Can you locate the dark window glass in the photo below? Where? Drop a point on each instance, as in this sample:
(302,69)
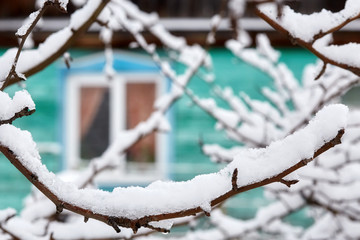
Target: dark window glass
(94,121)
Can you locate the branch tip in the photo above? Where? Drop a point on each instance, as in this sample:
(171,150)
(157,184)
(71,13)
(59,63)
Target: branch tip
(234,179)
(322,71)
(335,141)
(135,227)
(112,222)
(59,208)
(288,183)
(279,6)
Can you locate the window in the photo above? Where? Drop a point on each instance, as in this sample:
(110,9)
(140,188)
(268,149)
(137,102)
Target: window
(97,109)
(94,121)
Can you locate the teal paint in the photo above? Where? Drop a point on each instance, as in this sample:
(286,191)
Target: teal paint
(190,122)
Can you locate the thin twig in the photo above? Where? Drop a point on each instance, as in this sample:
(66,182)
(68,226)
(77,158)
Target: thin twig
(12,72)
(62,49)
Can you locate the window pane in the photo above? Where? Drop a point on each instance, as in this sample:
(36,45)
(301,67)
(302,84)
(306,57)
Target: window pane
(139,105)
(94,121)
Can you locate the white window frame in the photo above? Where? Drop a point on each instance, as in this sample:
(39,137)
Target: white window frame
(117,107)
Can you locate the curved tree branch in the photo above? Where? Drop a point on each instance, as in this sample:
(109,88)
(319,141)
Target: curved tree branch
(136,223)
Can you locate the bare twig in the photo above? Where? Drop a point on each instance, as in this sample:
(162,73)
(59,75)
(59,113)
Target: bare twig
(321,72)
(22,113)
(288,183)
(12,72)
(62,49)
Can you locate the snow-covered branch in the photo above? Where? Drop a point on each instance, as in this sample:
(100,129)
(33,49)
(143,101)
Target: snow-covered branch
(315,30)
(169,199)
(285,128)
(21,105)
(265,121)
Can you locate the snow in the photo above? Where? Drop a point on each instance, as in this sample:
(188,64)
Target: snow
(276,99)
(225,118)
(167,39)
(324,228)
(214,23)
(10,107)
(235,103)
(338,192)
(38,209)
(79,17)
(166,197)
(76,228)
(263,108)
(306,27)
(63,4)
(25,27)
(78,3)
(260,121)
(165,224)
(283,152)
(134,12)
(220,154)
(233,228)
(31,58)
(106,35)
(319,173)
(6,214)
(190,55)
(150,22)
(237,7)
(341,53)
(264,46)
(351,228)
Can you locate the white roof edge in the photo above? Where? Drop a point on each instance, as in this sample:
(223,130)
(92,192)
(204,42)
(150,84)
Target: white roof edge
(172,24)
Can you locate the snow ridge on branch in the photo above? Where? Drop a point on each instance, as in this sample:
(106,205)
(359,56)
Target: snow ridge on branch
(128,207)
(21,105)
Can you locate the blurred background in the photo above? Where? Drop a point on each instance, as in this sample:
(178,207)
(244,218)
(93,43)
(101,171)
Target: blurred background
(175,156)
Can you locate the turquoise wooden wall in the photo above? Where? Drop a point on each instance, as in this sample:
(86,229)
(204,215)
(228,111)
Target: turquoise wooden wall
(190,123)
